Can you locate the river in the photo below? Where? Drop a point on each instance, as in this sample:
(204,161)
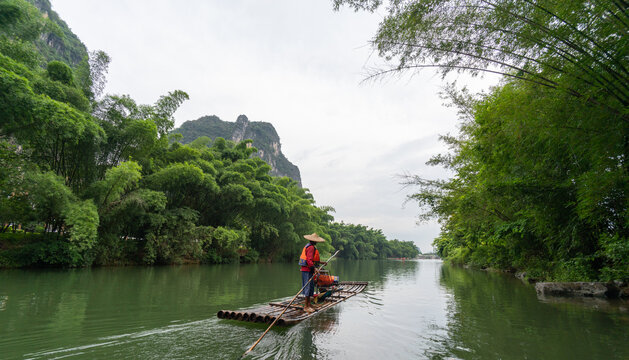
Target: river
(410,310)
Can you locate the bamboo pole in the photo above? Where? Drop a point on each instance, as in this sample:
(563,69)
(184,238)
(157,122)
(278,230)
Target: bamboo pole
(289,304)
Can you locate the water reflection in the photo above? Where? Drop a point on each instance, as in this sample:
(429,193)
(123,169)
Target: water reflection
(377,272)
(494,316)
(412,309)
(597,304)
(304,341)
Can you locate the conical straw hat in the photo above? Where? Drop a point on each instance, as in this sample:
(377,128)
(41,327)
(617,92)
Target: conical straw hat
(314,237)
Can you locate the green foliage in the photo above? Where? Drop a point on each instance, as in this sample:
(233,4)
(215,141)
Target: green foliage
(540,172)
(118,181)
(21,20)
(162,112)
(13,163)
(90,74)
(208,126)
(81,220)
(62,92)
(459,255)
(49,197)
(263,136)
(56,41)
(574,47)
(201,142)
(98,65)
(20,51)
(226,242)
(174,237)
(61,138)
(576,269)
(614,252)
(360,242)
(96,180)
(58,71)
(27,250)
(530,190)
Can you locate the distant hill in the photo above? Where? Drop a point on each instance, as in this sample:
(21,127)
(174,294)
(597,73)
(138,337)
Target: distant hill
(263,134)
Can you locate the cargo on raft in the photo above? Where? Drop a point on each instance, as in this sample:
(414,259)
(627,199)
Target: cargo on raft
(330,294)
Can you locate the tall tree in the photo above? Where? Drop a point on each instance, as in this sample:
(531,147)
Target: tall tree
(579,47)
(540,166)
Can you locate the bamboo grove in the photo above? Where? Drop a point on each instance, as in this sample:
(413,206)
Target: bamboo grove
(93,179)
(540,173)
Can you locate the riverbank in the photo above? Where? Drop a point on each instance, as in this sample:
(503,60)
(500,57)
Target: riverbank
(22,250)
(609,290)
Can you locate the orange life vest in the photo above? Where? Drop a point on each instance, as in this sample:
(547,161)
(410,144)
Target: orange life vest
(302,259)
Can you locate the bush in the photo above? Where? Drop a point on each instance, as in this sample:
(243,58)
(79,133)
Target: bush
(459,255)
(110,249)
(26,250)
(212,257)
(251,256)
(615,254)
(480,258)
(61,72)
(576,269)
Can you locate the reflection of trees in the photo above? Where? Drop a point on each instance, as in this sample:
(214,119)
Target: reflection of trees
(374,271)
(49,299)
(75,307)
(57,309)
(493,316)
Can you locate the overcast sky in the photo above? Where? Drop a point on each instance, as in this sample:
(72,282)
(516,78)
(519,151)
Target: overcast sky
(297,65)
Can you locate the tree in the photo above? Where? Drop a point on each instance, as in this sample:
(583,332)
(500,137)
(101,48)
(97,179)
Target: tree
(540,171)
(118,181)
(99,180)
(360,242)
(162,112)
(98,66)
(134,131)
(576,47)
(13,165)
(81,221)
(126,211)
(529,190)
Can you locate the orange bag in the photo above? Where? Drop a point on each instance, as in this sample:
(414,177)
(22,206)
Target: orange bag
(327,280)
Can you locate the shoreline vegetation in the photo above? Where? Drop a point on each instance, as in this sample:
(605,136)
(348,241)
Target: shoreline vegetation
(558,290)
(91,179)
(540,165)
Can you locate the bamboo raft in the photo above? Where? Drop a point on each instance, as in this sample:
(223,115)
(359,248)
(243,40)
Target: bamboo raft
(295,313)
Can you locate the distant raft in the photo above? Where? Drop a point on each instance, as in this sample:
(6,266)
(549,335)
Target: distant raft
(295,313)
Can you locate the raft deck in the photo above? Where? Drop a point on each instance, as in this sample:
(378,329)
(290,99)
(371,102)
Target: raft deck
(295,313)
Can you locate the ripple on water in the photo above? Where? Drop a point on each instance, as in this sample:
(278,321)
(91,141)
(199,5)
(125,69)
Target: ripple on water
(66,352)
(172,341)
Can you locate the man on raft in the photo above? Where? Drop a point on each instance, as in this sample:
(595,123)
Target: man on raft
(308,260)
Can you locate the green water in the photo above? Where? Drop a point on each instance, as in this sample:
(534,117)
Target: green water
(410,310)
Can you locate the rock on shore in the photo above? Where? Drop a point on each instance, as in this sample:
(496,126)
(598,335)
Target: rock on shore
(582,289)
